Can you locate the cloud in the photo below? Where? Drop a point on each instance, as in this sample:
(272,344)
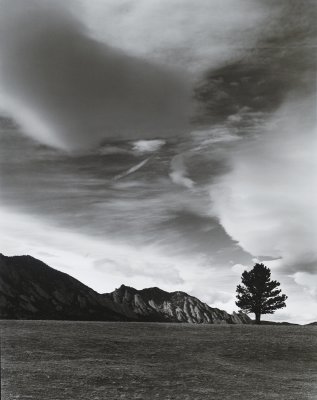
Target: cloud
(68,84)
(148,146)
(256,82)
(178,172)
(70,91)
(300,288)
(186,34)
(132,169)
(267,201)
(308,281)
(239,268)
(103,264)
(132,265)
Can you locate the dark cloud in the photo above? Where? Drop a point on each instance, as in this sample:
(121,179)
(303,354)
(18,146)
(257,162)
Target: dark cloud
(201,234)
(282,62)
(70,91)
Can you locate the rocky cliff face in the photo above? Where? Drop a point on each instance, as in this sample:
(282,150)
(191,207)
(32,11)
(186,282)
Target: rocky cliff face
(154,304)
(29,289)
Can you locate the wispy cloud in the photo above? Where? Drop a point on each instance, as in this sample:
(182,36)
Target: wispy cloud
(132,169)
(70,91)
(79,254)
(178,172)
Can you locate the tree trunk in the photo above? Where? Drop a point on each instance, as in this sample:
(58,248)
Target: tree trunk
(258,318)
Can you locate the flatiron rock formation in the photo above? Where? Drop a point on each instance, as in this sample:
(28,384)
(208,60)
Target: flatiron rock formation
(154,304)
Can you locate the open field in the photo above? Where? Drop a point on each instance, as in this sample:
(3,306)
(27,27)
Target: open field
(55,360)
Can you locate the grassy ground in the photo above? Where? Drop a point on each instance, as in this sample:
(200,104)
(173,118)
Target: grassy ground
(86,360)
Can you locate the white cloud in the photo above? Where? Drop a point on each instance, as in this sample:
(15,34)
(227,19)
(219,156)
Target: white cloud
(267,201)
(148,146)
(302,300)
(179,171)
(235,118)
(239,268)
(131,170)
(190,35)
(215,135)
(102,264)
(308,281)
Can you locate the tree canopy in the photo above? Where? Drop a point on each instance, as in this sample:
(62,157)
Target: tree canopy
(259,294)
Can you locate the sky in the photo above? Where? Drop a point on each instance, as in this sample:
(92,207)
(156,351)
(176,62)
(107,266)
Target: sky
(162,143)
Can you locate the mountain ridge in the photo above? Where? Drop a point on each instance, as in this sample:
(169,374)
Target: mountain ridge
(175,306)
(30,289)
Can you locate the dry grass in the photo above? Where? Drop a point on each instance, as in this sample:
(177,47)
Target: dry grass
(90,360)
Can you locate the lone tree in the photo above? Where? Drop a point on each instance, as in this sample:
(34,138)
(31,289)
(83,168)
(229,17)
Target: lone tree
(258,294)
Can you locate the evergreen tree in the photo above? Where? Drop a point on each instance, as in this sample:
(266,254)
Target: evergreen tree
(258,294)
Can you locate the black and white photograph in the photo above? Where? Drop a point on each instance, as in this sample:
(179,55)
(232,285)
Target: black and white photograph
(158,221)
